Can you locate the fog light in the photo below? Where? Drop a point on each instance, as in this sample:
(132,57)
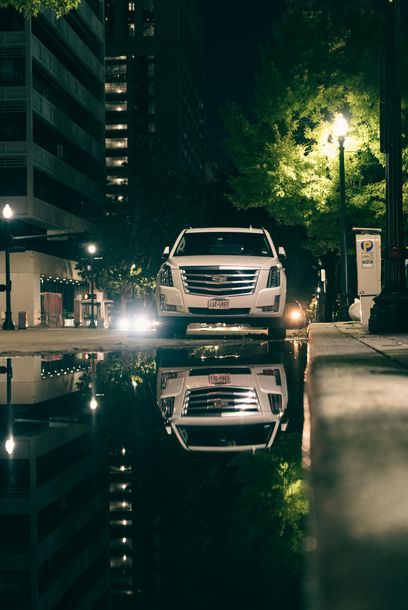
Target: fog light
(274,307)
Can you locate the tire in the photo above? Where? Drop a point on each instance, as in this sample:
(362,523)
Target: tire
(276,332)
(170,330)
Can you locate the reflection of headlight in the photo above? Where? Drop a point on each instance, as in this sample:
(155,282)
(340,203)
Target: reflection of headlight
(295,315)
(141,323)
(166,376)
(167,406)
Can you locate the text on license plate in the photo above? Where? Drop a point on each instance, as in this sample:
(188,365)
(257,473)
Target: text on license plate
(219,378)
(218,304)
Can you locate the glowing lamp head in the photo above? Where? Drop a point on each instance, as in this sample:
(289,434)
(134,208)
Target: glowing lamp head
(7,212)
(93,403)
(91,248)
(340,126)
(9,445)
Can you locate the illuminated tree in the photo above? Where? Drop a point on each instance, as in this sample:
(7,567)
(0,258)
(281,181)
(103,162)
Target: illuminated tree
(33,7)
(324,58)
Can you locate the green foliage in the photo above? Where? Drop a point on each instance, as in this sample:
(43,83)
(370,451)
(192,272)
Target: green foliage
(286,155)
(33,7)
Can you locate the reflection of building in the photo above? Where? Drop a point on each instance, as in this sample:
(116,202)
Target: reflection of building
(54,542)
(54,547)
(51,136)
(121,524)
(37,379)
(153,86)
(223,403)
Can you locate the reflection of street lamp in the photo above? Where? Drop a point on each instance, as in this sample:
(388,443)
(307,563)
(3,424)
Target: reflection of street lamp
(340,127)
(92,250)
(8,323)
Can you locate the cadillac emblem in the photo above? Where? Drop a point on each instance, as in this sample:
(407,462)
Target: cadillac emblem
(220,279)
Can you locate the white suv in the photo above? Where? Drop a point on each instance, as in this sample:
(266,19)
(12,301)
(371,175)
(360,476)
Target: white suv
(221,274)
(223,408)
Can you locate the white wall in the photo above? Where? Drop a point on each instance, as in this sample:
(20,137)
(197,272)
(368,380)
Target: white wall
(26,270)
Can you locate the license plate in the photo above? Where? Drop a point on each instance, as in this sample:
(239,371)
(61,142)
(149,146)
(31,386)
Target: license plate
(219,379)
(218,304)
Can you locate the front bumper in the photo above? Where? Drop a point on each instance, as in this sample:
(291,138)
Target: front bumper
(171,302)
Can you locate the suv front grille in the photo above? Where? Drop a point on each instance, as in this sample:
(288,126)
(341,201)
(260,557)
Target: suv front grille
(219,281)
(219,401)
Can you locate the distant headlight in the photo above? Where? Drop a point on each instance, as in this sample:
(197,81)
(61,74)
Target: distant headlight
(124,324)
(166,278)
(295,315)
(274,277)
(141,323)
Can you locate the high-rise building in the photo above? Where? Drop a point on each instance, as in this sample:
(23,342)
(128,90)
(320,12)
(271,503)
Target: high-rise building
(153,86)
(51,125)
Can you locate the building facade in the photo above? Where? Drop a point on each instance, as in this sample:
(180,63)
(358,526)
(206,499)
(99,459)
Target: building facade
(153,87)
(52,120)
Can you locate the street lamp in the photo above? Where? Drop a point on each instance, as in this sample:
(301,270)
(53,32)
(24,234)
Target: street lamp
(340,128)
(8,323)
(92,250)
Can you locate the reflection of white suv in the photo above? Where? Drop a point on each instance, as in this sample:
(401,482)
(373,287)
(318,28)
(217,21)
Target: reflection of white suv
(230,275)
(223,408)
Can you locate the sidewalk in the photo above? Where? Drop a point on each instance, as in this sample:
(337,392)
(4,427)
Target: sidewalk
(56,340)
(357,390)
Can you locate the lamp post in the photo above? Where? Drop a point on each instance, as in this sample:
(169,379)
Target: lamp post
(340,127)
(92,250)
(389,312)
(8,323)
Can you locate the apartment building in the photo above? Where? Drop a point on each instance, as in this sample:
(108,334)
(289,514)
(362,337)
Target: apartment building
(51,132)
(153,87)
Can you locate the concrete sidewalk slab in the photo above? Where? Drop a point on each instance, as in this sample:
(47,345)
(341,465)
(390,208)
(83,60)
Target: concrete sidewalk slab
(357,387)
(58,340)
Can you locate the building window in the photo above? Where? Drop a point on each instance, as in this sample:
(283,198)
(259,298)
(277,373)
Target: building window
(131,30)
(115,71)
(148,23)
(116,126)
(116,107)
(151,107)
(116,142)
(152,128)
(116,161)
(131,6)
(115,88)
(117,180)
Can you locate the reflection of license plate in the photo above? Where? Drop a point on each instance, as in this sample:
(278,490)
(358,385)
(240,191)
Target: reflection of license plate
(219,379)
(218,304)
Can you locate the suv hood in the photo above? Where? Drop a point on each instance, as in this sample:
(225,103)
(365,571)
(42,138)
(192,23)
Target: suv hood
(220,261)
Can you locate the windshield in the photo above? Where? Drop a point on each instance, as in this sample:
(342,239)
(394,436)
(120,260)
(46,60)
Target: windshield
(226,436)
(235,244)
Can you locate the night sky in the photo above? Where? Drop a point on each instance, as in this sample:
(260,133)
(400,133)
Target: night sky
(233,32)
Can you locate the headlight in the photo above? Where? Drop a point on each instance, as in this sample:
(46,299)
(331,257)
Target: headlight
(166,376)
(295,315)
(275,402)
(166,278)
(124,324)
(167,406)
(274,277)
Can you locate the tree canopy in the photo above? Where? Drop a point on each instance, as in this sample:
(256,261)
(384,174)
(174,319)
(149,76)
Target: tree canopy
(33,7)
(323,59)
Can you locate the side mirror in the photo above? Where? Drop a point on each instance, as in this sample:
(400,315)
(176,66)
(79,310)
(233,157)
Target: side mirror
(281,252)
(166,252)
